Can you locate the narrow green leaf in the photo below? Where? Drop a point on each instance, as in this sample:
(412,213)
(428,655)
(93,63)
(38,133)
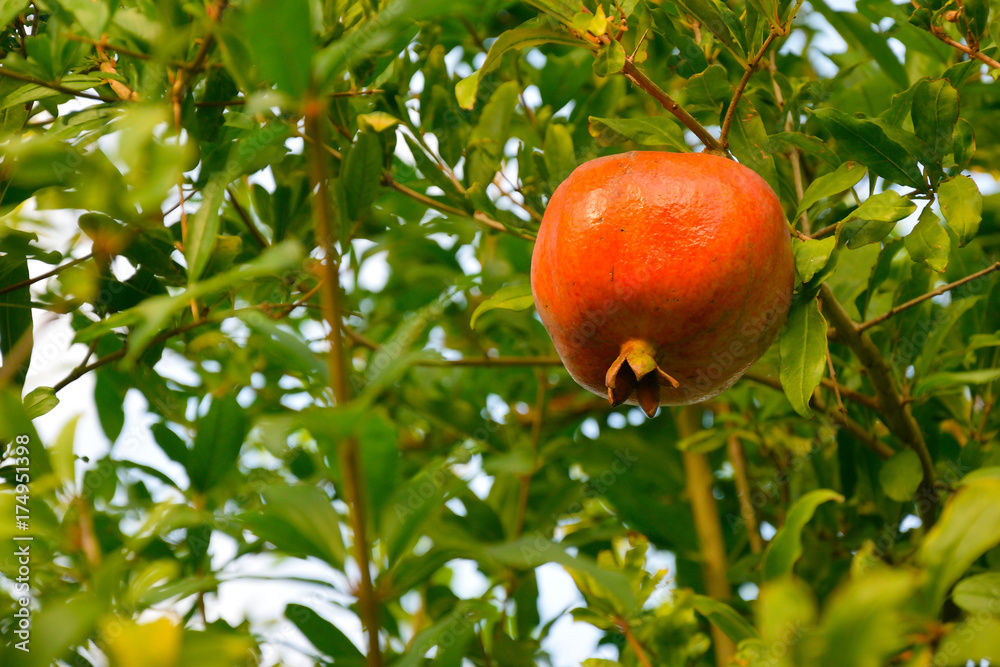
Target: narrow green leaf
(486,142)
(218,442)
(900,476)
(610,60)
(649,131)
(710,14)
(362,174)
(864,141)
(962,207)
(724,617)
(812,256)
(968,527)
(874,219)
(280,32)
(803,354)
(846,176)
(300,521)
(466,91)
(786,547)
(511,297)
(964,143)
(560,159)
(857,30)
(15,314)
(934,113)
(749,143)
(928,242)
(955,381)
(456,628)
(325,636)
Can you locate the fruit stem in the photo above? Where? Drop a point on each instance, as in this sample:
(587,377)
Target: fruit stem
(636,370)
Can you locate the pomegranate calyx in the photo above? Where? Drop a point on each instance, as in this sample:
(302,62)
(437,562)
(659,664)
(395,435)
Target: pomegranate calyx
(636,369)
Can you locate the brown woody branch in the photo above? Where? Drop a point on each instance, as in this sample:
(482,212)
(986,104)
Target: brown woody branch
(52,85)
(32,281)
(893,409)
(895,310)
(740,87)
(969,51)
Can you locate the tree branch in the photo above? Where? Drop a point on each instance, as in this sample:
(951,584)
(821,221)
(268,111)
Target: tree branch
(972,53)
(895,310)
(894,411)
(739,462)
(52,85)
(636,76)
(699,482)
(738,93)
(32,281)
(339,381)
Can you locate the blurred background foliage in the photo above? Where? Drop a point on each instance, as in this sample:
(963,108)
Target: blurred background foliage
(199,188)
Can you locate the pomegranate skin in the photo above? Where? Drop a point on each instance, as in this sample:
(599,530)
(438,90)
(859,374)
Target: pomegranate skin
(682,259)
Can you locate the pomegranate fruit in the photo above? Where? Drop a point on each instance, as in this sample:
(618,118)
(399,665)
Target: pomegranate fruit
(661,277)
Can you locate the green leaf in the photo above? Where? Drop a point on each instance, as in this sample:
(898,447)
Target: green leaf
(300,521)
(962,207)
(610,60)
(152,315)
(980,592)
(786,547)
(648,131)
(968,527)
(864,141)
(39,402)
(362,174)
(928,242)
(511,297)
(377,121)
(457,628)
(560,159)
(975,640)
(710,14)
(964,143)
(218,442)
(325,636)
(900,476)
(934,113)
(748,142)
(15,314)
(487,140)
(874,219)
(724,617)
(846,176)
(280,32)
(955,381)
(9,9)
(466,91)
(533,32)
(857,29)
(812,256)
(802,344)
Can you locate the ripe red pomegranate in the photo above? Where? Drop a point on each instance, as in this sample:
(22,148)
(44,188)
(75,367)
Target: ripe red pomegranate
(662,274)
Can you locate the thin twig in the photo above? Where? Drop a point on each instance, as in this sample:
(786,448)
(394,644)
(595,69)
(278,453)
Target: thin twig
(972,53)
(52,85)
(352,476)
(247,222)
(633,641)
(32,281)
(833,377)
(738,93)
(636,76)
(536,430)
(895,310)
(739,462)
(860,433)
(894,411)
